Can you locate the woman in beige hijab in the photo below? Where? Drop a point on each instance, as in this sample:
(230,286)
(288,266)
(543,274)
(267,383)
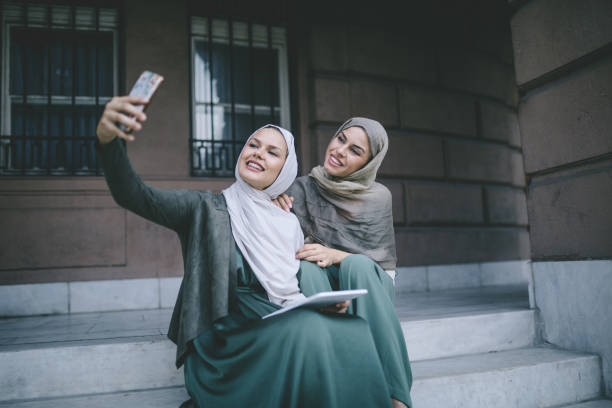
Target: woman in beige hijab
(346,218)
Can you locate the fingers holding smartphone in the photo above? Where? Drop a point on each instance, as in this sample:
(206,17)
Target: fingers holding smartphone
(120,114)
(124,114)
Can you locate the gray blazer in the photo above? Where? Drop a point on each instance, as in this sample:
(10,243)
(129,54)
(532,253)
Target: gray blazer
(201,220)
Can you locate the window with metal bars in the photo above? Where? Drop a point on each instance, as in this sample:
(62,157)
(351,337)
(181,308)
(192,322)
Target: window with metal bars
(239,83)
(60,68)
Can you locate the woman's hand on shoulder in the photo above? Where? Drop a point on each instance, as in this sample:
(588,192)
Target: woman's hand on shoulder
(284,202)
(322,255)
(119,111)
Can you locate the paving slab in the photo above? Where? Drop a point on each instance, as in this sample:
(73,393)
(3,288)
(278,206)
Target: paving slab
(159,398)
(24,332)
(457,302)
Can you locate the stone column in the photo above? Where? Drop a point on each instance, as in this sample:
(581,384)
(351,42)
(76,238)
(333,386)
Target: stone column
(563,63)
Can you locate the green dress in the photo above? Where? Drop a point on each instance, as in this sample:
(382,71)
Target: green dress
(360,272)
(303,358)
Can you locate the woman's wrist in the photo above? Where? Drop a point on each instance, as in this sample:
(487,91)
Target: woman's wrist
(339,256)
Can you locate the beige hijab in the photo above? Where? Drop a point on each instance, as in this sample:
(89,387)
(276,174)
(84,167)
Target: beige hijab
(362,179)
(351,213)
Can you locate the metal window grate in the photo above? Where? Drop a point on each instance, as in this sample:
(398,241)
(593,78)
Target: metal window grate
(239,82)
(60,66)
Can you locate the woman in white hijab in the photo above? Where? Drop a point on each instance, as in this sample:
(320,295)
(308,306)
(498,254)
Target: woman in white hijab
(233,358)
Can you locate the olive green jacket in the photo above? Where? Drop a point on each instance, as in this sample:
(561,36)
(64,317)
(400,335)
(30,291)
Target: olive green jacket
(201,220)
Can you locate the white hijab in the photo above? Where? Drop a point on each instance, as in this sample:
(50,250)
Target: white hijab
(267,236)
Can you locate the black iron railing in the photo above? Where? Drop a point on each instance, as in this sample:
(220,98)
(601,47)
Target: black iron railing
(237,70)
(63,67)
(70,156)
(215,157)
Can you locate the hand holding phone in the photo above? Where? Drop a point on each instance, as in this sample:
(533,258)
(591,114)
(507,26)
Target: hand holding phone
(119,117)
(145,88)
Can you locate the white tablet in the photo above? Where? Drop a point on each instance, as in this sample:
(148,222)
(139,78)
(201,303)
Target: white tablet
(321,299)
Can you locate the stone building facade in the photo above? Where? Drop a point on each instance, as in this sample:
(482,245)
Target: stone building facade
(499,116)
(445,92)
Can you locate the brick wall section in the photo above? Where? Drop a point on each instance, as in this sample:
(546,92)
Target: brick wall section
(563,62)
(455,162)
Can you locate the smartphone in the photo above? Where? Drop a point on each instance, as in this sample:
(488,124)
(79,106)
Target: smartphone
(145,87)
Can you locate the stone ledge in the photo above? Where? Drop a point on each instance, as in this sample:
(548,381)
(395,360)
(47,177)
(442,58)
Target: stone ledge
(88,296)
(468,275)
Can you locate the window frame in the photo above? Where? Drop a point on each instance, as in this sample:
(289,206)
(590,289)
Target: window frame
(281,46)
(45,21)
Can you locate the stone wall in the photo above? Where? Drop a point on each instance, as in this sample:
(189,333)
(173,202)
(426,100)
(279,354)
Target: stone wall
(444,88)
(58,229)
(563,62)
(445,91)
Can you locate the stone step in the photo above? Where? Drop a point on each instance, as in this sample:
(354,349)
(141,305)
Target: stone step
(468,334)
(133,353)
(52,356)
(158,398)
(466,321)
(531,377)
(88,367)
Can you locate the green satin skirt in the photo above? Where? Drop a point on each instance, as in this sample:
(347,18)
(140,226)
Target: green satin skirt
(360,272)
(303,358)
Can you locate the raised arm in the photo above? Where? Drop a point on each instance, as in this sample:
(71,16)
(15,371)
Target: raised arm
(170,208)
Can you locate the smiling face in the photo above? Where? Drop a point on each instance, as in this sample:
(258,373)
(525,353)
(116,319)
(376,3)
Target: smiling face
(262,158)
(348,151)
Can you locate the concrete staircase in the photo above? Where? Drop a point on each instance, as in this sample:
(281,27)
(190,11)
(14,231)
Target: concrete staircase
(469,348)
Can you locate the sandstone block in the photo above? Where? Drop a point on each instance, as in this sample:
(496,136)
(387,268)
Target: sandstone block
(518,169)
(506,205)
(426,246)
(569,214)
(328,47)
(474,160)
(323,135)
(399,202)
(61,237)
(435,110)
(413,154)
(331,102)
(568,121)
(499,123)
(164,49)
(548,34)
(376,100)
(478,73)
(378,52)
(444,203)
